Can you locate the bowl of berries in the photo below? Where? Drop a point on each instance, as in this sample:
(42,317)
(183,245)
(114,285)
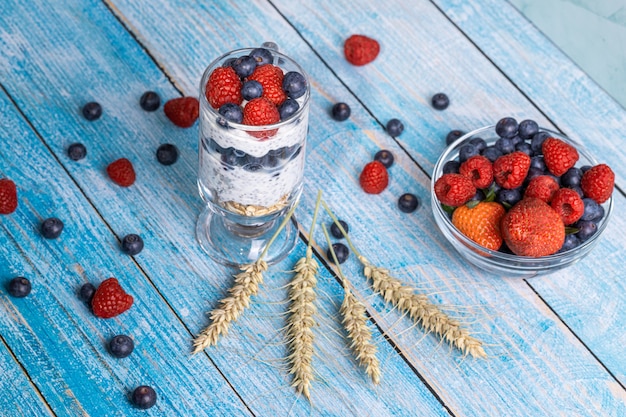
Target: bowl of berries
(519,200)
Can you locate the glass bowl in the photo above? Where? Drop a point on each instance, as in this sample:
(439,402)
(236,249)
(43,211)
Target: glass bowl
(501,263)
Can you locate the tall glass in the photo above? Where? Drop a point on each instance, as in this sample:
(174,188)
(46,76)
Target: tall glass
(249,177)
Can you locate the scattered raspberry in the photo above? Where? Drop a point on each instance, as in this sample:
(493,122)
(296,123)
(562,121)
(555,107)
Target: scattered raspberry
(480,223)
(568,204)
(478,169)
(558,155)
(542,187)
(597,183)
(223,86)
(110,299)
(510,170)
(360,50)
(374,178)
(8,196)
(182,111)
(271,79)
(121,172)
(454,189)
(261,112)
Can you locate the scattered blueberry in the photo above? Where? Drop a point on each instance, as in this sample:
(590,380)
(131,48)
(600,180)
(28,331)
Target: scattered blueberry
(451,167)
(144,397)
(340,111)
(92,111)
(167,154)
(384,157)
(395,127)
(262,56)
(408,203)
(294,84)
(506,127)
(571,241)
(19,287)
(121,346)
(86,292)
(336,232)
(537,141)
(244,65)
(504,145)
(150,101)
(527,129)
(509,197)
(524,147)
(231,112)
(51,228)
(586,229)
(467,151)
(593,211)
(132,244)
(341,252)
(453,135)
(440,101)
(251,89)
(76,151)
(572,177)
(288,108)
(492,153)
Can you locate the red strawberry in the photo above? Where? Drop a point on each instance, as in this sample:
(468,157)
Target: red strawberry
(182,111)
(110,299)
(121,172)
(510,170)
(271,79)
(568,204)
(558,155)
(374,178)
(597,183)
(478,169)
(261,112)
(360,50)
(223,86)
(454,189)
(8,196)
(542,187)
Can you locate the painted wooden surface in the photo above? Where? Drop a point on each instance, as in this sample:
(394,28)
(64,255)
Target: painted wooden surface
(554,343)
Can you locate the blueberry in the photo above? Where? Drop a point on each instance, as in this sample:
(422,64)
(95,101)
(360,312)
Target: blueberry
(524,147)
(144,397)
(451,167)
(253,164)
(251,89)
(384,157)
(492,153)
(509,196)
(534,172)
(341,252)
(336,232)
(586,229)
(593,211)
(228,62)
(121,346)
(571,241)
(340,111)
(408,203)
(231,112)
(132,244)
(440,101)
(150,101)
(244,65)
(527,129)
(453,135)
(479,196)
(572,177)
(578,190)
(585,168)
(86,292)
(76,151)
(506,127)
(538,162)
(288,108)
(19,287)
(269,161)
(51,228)
(395,127)
(167,154)
(467,151)
(479,143)
(229,159)
(516,139)
(270,45)
(294,84)
(537,141)
(262,56)
(505,145)
(92,111)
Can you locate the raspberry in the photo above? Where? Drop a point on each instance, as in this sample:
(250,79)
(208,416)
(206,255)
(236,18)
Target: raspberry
(110,299)
(454,189)
(223,86)
(8,196)
(271,79)
(374,178)
(182,111)
(597,183)
(510,170)
(121,172)
(558,155)
(542,187)
(478,169)
(568,204)
(360,50)
(261,112)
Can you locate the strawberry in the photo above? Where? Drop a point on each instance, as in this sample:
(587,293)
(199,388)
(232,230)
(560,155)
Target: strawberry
(597,183)
(182,111)
(271,79)
(454,189)
(510,170)
(110,299)
(360,50)
(568,204)
(223,86)
(8,196)
(558,155)
(374,178)
(542,187)
(478,169)
(532,228)
(121,172)
(480,223)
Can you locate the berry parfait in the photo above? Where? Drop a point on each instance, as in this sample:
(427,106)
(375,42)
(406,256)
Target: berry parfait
(254,107)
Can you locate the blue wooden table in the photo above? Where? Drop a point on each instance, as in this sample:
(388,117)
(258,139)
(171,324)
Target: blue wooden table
(555,343)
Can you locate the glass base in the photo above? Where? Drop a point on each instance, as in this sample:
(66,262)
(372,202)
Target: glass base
(233,244)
